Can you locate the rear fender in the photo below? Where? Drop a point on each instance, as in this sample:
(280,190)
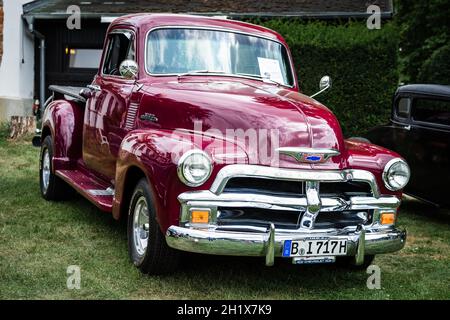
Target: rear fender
(64,121)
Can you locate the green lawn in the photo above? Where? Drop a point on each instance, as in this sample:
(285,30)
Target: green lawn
(40,239)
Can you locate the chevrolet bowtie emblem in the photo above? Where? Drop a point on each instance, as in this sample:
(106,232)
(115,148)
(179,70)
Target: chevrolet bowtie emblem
(309,155)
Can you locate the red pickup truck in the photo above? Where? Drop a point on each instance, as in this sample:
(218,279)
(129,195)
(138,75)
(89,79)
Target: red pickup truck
(194,130)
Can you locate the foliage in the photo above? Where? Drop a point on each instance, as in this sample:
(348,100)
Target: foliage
(436,69)
(424,29)
(4,130)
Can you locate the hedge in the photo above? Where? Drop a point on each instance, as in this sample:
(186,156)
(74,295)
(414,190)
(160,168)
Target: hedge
(436,69)
(361,62)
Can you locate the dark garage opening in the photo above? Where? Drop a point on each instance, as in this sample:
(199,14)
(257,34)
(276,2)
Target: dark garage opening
(72,56)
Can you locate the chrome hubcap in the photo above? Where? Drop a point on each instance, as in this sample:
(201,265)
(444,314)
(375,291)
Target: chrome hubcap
(141,223)
(45,170)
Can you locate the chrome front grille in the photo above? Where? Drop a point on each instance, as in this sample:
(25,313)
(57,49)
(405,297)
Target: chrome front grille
(280,174)
(227,216)
(291,219)
(265,186)
(296,188)
(255,196)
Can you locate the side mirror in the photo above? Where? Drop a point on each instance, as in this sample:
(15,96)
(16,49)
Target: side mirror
(324,84)
(129,69)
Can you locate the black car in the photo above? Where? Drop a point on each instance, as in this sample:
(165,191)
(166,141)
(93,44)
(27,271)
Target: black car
(419,130)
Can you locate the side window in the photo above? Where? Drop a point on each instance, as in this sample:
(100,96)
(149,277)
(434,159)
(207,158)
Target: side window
(120,48)
(403,108)
(431,111)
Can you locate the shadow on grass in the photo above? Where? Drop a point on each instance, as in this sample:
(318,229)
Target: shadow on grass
(421,209)
(234,272)
(250,278)
(94,215)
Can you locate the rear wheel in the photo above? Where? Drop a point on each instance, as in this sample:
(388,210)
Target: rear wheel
(146,243)
(52,187)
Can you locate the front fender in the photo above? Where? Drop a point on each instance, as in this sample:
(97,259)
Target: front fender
(368,156)
(156,154)
(64,121)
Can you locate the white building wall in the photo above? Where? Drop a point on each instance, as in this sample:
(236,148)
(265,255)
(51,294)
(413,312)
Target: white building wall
(16,75)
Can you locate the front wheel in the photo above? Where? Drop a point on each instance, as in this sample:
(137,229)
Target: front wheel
(146,243)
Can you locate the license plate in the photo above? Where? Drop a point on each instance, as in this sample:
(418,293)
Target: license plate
(314,247)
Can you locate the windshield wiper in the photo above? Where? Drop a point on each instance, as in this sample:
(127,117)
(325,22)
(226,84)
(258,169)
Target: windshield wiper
(256,76)
(199,72)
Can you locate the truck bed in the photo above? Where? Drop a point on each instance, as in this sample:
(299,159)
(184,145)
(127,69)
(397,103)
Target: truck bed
(67,92)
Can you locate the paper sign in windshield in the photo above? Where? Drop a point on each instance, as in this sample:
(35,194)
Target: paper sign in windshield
(270,68)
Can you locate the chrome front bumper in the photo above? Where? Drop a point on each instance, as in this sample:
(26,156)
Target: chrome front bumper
(360,242)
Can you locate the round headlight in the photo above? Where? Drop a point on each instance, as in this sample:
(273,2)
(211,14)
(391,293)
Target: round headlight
(396,174)
(194,168)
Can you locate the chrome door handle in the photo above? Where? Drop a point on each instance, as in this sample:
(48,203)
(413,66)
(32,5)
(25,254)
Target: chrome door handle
(94,87)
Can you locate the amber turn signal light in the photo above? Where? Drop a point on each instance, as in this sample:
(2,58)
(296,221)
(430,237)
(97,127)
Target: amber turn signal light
(387,218)
(199,216)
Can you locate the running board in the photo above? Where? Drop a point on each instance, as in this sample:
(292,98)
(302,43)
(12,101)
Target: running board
(95,190)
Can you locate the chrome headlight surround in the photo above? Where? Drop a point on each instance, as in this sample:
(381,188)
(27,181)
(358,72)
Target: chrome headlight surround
(396,174)
(194,168)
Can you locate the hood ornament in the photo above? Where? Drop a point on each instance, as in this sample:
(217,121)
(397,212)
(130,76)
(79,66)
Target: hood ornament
(309,155)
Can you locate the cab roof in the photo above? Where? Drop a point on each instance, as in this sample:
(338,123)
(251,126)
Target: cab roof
(148,21)
(427,89)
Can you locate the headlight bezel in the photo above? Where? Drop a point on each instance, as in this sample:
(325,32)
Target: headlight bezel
(182,172)
(387,173)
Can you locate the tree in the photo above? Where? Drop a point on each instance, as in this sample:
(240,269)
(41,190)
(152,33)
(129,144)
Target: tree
(436,69)
(424,29)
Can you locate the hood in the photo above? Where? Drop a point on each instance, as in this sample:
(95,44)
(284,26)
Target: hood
(259,117)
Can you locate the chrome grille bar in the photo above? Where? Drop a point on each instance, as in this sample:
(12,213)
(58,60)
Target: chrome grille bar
(249,200)
(273,173)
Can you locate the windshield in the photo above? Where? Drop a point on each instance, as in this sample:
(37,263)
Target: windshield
(179,51)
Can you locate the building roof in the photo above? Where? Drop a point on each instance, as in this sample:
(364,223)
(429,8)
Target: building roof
(48,9)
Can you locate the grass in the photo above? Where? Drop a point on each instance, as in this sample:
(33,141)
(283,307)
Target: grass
(40,239)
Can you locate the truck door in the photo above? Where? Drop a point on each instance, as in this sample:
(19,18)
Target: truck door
(396,135)
(104,123)
(430,148)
